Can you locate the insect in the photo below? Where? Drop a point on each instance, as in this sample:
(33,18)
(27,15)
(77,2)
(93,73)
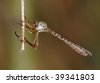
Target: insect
(39,27)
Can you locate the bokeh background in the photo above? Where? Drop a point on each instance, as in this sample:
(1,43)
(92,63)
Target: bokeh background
(77,19)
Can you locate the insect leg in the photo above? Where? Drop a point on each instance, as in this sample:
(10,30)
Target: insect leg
(35,42)
(26,40)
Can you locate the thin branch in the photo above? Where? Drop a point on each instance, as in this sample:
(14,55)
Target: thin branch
(23,24)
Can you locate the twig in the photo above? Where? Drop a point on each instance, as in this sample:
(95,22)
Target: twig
(23,24)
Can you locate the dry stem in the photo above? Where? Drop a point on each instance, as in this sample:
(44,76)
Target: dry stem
(23,24)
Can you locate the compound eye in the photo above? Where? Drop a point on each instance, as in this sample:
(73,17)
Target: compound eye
(42,27)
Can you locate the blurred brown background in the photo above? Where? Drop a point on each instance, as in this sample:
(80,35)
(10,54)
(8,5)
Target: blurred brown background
(77,19)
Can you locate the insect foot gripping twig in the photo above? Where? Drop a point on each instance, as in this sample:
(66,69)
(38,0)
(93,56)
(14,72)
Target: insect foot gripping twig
(25,39)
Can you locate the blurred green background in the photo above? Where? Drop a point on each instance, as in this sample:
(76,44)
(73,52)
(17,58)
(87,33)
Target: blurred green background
(77,19)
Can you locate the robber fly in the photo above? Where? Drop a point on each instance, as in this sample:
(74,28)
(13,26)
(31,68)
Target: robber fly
(41,26)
